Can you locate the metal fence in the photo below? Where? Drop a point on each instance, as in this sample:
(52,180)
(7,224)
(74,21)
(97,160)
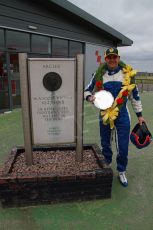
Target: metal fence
(144,83)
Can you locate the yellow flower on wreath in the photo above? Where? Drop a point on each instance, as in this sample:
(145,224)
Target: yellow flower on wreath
(109,116)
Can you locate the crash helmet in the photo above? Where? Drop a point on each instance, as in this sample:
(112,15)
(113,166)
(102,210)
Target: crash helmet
(141,136)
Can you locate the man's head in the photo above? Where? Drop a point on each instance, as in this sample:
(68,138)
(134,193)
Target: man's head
(112,57)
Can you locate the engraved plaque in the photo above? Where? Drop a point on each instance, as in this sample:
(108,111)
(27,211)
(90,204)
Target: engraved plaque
(52,81)
(52,92)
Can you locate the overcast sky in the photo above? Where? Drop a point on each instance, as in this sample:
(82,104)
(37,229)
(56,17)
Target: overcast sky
(134,19)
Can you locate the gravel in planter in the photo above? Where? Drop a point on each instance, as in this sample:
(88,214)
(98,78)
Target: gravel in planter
(56,162)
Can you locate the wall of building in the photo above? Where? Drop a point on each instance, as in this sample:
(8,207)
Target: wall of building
(49,20)
(94,57)
(56,33)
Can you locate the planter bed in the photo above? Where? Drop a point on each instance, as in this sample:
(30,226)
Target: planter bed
(54,176)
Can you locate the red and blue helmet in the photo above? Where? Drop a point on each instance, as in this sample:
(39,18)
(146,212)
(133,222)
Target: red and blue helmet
(141,136)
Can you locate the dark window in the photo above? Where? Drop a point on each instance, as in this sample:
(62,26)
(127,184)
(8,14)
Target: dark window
(40,44)
(59,47)
(2,39)
(75,48)
(18,41)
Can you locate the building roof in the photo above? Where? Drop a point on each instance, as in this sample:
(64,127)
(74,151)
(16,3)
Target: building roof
(68,6)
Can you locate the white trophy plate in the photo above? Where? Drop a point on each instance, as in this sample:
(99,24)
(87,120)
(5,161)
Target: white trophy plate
(103,99)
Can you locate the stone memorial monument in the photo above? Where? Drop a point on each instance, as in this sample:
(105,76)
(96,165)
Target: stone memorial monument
(53,164)
(52,102)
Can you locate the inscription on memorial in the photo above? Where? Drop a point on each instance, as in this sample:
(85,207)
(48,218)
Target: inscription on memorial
(52,108)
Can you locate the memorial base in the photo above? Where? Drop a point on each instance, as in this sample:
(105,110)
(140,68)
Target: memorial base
(37,184)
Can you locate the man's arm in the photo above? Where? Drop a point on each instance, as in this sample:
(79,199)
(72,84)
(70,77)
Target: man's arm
(136,104)
(89,90)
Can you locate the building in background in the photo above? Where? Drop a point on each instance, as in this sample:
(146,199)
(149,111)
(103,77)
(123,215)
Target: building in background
(48,28)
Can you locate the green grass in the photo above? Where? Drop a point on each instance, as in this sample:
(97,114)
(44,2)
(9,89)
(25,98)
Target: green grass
(11,132)
(144,81)
(129,208)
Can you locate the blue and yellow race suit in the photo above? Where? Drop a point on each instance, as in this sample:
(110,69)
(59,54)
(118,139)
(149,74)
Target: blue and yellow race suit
(112,82)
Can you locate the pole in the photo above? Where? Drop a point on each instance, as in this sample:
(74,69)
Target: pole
(25,108)
(79,106)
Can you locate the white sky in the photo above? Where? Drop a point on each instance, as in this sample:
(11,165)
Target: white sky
(134,19)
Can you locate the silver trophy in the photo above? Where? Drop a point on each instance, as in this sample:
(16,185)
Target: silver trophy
(103,99)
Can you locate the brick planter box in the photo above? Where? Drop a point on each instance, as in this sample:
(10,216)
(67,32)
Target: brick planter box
(23,188)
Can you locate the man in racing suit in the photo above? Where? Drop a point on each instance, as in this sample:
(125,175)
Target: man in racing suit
(112,82)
